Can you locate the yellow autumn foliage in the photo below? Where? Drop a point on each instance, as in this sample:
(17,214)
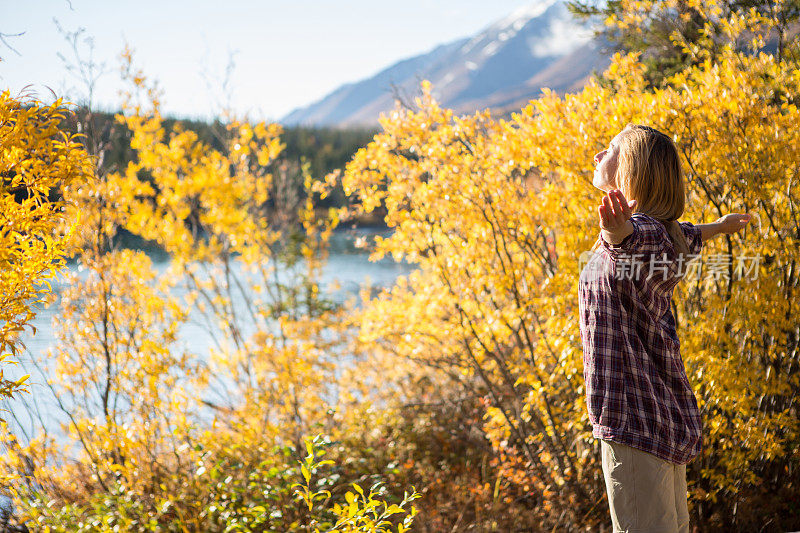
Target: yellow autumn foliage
(496,213)
(155,437)
(37,161)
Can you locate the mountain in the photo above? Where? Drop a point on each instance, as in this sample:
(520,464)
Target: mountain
(502,67)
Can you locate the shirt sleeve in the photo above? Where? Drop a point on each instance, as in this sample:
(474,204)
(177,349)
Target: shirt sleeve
(693,237)
(647,237)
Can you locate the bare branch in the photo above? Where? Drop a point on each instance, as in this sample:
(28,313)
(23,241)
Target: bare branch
(85,69)
(221,90)
(398,96)
(4,36)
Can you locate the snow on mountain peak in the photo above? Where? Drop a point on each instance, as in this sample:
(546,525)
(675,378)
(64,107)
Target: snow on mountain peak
(518,18)
(500,66)
(564,36)
(508,27)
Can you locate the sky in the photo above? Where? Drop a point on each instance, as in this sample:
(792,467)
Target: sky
(286,54)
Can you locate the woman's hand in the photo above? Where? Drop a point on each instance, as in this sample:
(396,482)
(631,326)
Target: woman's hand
(614,211)
(733,222)
(614,214)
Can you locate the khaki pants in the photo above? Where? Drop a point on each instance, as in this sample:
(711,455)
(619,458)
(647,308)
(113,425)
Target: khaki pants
(646,493)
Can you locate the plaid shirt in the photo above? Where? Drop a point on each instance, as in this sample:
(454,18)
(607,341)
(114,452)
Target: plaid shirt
(637,390)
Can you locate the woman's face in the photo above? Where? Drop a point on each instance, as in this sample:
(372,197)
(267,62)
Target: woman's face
(606,166)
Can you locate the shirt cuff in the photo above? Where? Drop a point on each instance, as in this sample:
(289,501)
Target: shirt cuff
(627,245)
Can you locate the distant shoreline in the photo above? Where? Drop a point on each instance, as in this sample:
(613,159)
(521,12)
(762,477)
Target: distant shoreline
(373,220)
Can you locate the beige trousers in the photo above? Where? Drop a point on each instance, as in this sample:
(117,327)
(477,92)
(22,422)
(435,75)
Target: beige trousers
(646,494)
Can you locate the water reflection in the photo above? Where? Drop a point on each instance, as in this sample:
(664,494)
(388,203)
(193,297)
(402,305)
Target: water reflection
(347,266)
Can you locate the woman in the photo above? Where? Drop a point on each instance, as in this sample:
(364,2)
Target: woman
(640,402)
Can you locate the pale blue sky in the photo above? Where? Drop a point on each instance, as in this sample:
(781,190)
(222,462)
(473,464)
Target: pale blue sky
(287,53)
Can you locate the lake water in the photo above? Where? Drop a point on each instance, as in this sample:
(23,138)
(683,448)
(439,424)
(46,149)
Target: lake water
(347,265)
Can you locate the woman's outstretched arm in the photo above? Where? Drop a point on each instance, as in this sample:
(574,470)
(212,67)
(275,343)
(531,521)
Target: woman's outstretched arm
(728,224)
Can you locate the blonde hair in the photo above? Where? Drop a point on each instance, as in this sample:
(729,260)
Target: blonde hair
(649,171)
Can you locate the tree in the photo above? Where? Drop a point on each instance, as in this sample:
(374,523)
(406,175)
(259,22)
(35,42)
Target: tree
(38,160)
(160,439)
(495,296)
(670,34)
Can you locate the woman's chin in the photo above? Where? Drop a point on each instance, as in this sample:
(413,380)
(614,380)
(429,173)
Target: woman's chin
(600,185)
